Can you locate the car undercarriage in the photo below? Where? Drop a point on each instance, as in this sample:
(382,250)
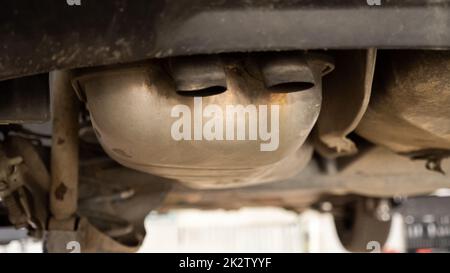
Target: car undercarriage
(112,109)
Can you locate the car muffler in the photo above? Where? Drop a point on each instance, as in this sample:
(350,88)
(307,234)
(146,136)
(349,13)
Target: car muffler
(208,121)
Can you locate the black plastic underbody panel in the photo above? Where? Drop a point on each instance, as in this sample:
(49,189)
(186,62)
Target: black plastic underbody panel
(37,36)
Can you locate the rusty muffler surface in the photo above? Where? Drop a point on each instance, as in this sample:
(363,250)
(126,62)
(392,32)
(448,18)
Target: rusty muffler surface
(210,123)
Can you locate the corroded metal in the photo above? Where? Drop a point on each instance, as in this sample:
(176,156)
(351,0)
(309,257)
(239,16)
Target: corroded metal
(64,156)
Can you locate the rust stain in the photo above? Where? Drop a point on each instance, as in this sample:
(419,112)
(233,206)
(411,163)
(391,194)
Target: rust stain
(278,98)
(61,191)
(60,141)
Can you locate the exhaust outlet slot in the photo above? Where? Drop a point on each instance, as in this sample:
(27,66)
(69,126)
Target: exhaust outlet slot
(198,76)
(292,72)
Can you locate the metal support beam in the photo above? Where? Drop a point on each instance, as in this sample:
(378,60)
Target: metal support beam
(64,162)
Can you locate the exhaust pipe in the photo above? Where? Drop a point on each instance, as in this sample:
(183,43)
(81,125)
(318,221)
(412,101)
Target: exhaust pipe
(198,76)
(293,72)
